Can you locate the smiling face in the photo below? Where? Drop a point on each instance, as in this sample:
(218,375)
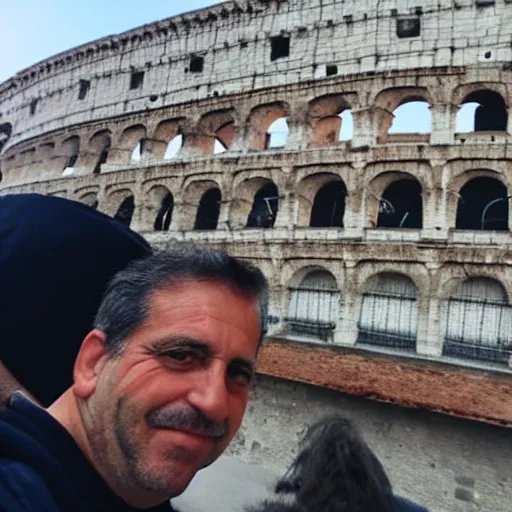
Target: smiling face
(172,401)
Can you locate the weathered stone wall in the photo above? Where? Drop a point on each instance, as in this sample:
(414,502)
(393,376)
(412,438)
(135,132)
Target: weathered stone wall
(447,464)
(235,41)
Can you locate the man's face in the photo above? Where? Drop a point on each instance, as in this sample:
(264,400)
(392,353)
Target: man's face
(171,403)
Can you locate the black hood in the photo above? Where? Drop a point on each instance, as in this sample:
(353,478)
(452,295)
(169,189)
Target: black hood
(56,257)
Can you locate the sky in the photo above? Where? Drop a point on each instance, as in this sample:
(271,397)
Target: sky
(32,30)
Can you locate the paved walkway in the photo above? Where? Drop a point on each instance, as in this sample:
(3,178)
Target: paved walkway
(228,485)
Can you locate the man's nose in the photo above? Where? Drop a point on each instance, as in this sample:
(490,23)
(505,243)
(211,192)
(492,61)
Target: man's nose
(210,394)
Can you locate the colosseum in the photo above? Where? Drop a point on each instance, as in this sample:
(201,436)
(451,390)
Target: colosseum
(359,152)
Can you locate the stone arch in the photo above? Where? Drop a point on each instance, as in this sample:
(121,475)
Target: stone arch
(313,308)
(122,204)
(388,100)
(478,321)
(5,134)
(166,132)
(483,205)
(327,116)
(90,199)
(160,208)
(307,190)
(192,196)
(100,145)
(381,210)
(412,108)
(213,129)
(401,205)
(130,146)
(249,205)
(389,312)
(70,148)
(328,207)
(260,119)
(483,110)
(207,217)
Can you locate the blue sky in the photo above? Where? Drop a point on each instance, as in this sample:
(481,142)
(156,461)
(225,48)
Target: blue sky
(31,30)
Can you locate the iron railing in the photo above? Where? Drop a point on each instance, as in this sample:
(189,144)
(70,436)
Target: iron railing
(388,320)
(313,313)
(478,329)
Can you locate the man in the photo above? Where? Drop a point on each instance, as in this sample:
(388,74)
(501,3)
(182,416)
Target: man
(56,257)
(160,387)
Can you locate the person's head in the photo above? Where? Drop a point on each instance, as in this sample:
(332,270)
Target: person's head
(336,471)
(56,258)
(161,383)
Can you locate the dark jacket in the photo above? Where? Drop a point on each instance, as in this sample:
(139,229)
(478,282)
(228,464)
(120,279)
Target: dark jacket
(43,470)
(56,257)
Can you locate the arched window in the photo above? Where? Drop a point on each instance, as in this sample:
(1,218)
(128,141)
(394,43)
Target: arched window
(138,151)
(208,211)
(277,134)
(174,147)
(219,147)
(347,126)
(389,312)
(401,206)
(100,145)
(482,111)
(124,213)
(314,306)
(479,322)
(483,205)
(71,148)
(90,199)
(412,117)
(264,208)
(164,214)
(329,206)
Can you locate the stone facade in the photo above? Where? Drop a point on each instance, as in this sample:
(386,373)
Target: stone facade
(373,239)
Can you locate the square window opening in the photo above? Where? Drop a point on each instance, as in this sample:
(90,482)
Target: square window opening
(136,80)
(280,47)
(408,27)
(83,89)
(196,64)
(331,70)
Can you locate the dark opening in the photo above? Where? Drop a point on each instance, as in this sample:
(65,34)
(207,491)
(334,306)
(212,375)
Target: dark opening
(264,208)
(329,206)
(83,89)
(164,215)
(491,114)
(401,206)
(71,161)
(331,70)
(125,211)
(103,157)
(5,133)
(136,79)
(408,27)
(208,212)
(33,106)
(280,47)
(483,205)
(94,204)
(1,176)
(196,64)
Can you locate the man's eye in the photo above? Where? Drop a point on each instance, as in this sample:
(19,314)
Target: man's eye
(240,376)
(182,356)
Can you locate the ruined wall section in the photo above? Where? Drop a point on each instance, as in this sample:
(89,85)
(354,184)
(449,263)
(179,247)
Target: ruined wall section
(236,41)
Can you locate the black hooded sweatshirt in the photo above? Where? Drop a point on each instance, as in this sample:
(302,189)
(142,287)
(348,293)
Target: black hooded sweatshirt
(56,257)
(42,469)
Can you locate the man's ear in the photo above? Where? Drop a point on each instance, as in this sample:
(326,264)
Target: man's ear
(88,363)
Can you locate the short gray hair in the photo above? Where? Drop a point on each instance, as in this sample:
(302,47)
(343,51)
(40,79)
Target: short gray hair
(125,303)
